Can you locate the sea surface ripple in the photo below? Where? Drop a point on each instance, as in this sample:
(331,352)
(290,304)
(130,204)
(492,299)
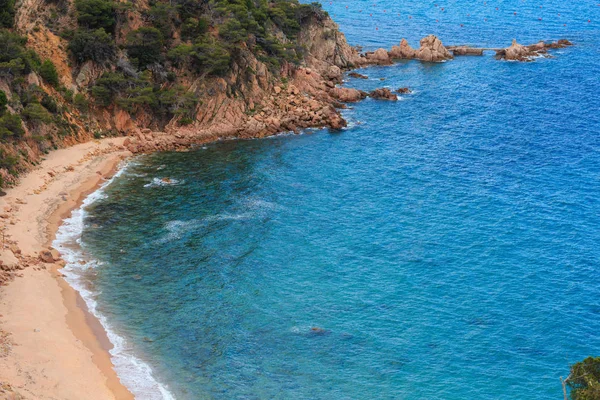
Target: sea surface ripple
(446,246)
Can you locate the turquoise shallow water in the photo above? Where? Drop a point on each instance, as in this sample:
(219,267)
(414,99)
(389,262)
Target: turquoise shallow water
(446,244)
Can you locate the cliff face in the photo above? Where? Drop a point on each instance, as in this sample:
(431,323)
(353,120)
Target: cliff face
(258,95)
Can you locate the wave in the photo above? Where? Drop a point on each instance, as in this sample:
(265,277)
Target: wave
(135,374)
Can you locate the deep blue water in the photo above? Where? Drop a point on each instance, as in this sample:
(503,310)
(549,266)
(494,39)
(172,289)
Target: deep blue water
(448,244)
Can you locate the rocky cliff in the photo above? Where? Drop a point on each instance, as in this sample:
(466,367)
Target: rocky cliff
(199,86)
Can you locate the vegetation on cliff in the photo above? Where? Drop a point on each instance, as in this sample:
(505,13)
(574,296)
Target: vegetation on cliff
(142,58)
(584,380)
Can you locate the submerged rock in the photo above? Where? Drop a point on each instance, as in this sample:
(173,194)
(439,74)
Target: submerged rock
(466,51)
(357,75)
(404,90)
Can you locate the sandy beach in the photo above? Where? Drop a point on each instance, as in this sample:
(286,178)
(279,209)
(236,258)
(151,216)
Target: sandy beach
(50,346)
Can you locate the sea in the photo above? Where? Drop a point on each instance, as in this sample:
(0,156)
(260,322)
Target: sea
(443,246)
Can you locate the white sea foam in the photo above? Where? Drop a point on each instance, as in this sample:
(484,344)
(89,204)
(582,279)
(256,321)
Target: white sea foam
(163,182)
(136,375)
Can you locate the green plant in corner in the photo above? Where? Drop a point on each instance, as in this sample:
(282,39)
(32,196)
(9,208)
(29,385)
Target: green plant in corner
(584,380)
(7,13)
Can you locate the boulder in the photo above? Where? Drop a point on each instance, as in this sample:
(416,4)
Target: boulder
(8,261)
(347,95)
(383,94)
(404,90)
(47,256)
(334,73)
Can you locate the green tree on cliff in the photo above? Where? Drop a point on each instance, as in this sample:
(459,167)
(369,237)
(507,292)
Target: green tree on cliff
(48,73)
(7,13)
(584,380)
(3,102)
(95,14)
(145,46)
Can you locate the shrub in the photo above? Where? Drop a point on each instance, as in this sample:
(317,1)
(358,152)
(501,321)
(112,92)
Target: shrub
(7,13)
(48,73)
(165,18)
(145,46)
(11,126)
(7,162)
(96,14)
(3,102)
(233,32)
(49,104)
(81,102)
(106,88)
(180,55)
(35,113)
(209,56)
(96,46)
(190,8)
(584,379)
(15,59)
(192,28)
(12,45)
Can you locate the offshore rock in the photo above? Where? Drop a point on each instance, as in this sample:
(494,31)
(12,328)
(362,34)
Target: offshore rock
(403,51)
(383,94)
(432,50)
(379,57)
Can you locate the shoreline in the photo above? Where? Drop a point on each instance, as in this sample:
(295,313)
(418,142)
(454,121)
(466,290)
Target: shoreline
(58,349)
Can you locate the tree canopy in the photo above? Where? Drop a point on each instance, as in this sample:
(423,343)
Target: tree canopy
(584,379)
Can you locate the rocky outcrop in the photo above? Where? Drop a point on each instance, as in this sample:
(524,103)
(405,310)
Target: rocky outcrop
(403,51)
(404,90)
(518,52)
(326,46)
(432,50)
(378,57)
(383,94)
(347,95)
